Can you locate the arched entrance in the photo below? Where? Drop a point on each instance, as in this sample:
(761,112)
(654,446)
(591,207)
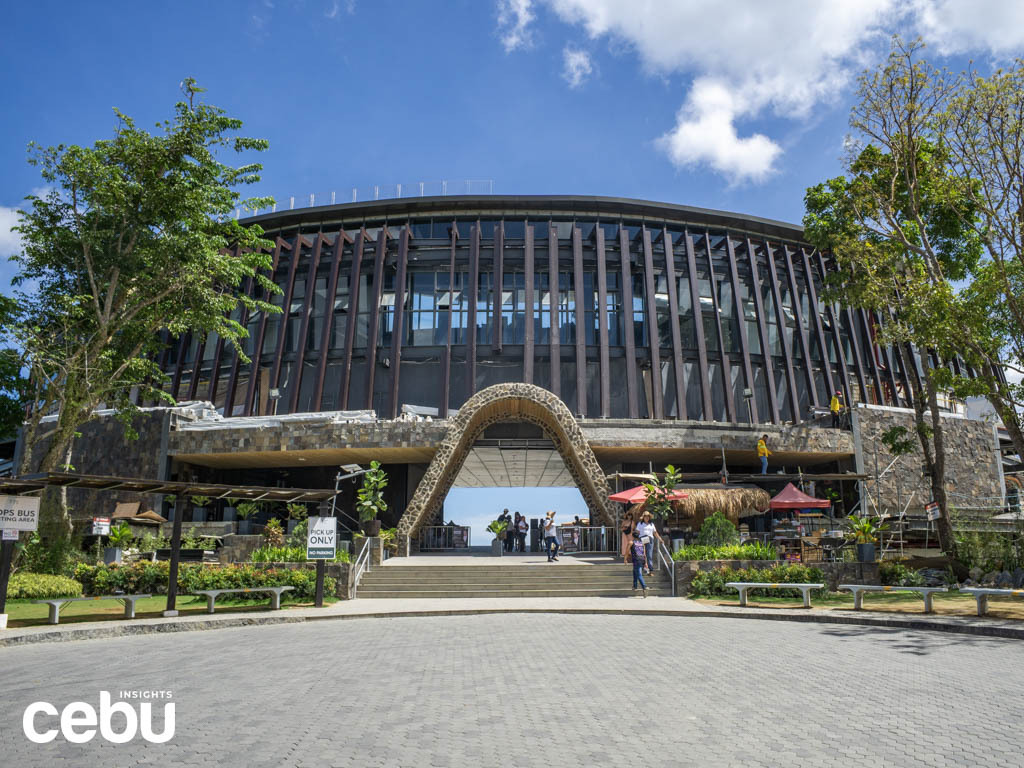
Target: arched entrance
(504,403)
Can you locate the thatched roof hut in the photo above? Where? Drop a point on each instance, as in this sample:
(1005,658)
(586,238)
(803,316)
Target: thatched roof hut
(734,501)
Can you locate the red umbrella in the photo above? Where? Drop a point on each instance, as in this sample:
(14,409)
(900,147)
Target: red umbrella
(638,495)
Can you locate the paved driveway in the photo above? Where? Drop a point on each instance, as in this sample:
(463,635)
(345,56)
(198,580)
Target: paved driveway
(551,690)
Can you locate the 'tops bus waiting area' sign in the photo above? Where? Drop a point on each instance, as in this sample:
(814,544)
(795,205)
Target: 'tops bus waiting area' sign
(322,538)
(19,513)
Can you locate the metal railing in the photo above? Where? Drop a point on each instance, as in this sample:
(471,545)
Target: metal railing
(665,559)
(438,538)
(361,566)
(588,538)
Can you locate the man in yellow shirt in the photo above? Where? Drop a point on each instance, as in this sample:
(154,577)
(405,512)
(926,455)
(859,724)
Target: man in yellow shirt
(836,406)
(763,453)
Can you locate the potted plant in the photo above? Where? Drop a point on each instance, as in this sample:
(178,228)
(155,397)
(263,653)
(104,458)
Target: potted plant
(864,531)
(120,537)
(500,529)
(245,510)
(230,508)
(199,508)
(171,499)
(296,514)
(370,499)
(273,533)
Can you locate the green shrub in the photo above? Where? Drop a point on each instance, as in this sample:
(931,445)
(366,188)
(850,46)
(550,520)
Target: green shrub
(712,583)
(751,550)
(41,586)
(990,550)
(146,577)
(150,542)
(895,574)
(718,531)
(59,558)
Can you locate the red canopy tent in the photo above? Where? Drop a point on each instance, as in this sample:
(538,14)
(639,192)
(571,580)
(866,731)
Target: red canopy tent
(638,495)
(792,497)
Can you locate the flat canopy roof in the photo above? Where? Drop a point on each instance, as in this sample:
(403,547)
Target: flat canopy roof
(36,482)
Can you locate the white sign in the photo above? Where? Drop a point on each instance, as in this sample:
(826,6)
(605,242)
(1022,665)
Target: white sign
(101,526)
(322,538)
(931,511)
(19,513)
(10,535)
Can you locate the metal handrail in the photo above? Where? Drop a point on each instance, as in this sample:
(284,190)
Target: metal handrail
(361,565)
(666,560)
(592,538)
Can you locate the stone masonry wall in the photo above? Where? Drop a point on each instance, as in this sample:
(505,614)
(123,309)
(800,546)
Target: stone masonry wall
(972,465)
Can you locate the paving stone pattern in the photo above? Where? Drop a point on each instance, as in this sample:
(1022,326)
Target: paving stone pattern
(525,690)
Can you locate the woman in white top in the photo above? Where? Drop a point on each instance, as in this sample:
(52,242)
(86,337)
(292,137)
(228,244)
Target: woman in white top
(648,533)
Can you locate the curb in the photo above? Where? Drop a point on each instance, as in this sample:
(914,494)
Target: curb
(888,621)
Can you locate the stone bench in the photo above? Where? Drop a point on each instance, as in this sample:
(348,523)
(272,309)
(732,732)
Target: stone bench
(859,590)
(745,586)
(981,595)
(211,595)
(57,603)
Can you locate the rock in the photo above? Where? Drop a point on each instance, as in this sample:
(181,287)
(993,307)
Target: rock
(975,574)
(1004,580)
(990,577)
(969,583)
(933,577)
(1018,578)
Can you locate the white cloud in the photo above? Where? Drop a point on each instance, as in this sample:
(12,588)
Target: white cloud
(745,57)
(10,242)
(955,26)
(332,11)
(705,133)
(577,66)
(514,18)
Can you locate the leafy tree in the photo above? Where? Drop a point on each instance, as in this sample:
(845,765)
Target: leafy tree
(659,493)
(370,496)
(897,226)
(12,381)
(134,243)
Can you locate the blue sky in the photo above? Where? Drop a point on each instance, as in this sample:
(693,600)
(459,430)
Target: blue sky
(477,507)
(737,106)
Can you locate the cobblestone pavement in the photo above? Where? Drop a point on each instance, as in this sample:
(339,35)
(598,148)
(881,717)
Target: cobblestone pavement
(522,690)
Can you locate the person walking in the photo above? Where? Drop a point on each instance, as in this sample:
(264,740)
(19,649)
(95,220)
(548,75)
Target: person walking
(522,529)
(638,556)
(648,533)
(836,407)
(508,530)
(626,538)
(551,536)
(763,453)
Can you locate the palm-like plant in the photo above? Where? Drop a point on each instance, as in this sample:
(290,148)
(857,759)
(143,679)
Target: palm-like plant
(498,528)
(120,536)
(865,530)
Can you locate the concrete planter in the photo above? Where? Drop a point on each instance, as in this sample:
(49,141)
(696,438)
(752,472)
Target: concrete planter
(111,555)
(229,514)
(245,527)
(497,547)
(866,553)
(199,514)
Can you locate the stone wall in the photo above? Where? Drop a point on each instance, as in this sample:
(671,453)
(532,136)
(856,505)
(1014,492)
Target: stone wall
(972,460)
(102,449)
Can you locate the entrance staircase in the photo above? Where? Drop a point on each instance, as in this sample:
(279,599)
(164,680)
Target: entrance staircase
(540,580)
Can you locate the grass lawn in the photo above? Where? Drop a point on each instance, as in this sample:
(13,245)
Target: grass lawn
(23,613)
(945,604)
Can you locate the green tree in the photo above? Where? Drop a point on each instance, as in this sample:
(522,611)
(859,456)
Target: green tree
(897,227)
(659,493)
(12,380)
(135,237)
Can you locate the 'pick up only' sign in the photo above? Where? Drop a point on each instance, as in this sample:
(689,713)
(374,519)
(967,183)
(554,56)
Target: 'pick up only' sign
(19,513)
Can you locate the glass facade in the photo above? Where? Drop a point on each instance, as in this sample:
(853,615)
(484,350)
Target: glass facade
(741,331)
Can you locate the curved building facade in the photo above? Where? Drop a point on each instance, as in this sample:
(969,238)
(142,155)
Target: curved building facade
(622,308)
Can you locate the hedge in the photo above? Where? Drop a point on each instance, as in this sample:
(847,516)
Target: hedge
(712,583)
(41,586)
(149,577)
(753,550)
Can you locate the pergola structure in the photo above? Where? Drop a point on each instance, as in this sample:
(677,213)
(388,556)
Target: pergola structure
(35,483)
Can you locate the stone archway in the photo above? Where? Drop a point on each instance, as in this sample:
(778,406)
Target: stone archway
(505,403)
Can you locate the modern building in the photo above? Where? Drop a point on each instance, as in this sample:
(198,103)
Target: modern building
(619,334)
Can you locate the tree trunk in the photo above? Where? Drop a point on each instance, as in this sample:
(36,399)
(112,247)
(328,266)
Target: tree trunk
(943,526)
(936,471)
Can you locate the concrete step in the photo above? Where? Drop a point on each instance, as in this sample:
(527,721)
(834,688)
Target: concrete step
(471,586)
(459,578)
(427,593)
